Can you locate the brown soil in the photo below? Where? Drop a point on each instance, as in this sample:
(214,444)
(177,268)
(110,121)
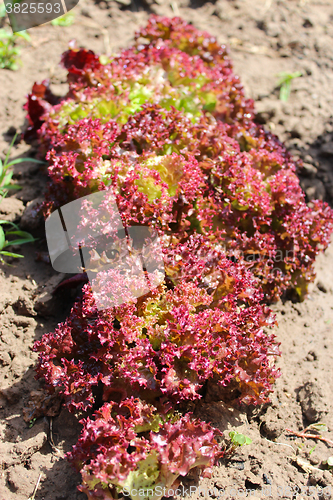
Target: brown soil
(265,38)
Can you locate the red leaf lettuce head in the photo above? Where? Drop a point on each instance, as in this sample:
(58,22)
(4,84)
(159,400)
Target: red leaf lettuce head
(169,342)
(131,448)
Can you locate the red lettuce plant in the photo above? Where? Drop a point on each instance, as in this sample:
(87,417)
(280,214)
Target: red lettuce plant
(131,448)
(166,128)
(169,343)
(166,349)
(166,125)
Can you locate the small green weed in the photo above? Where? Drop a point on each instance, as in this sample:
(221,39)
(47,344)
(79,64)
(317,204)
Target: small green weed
(238,439)
(313,449)
(65,20)
(21,238)
(318,426)
(9,52)
(284,83)
(6,174)
(32,422)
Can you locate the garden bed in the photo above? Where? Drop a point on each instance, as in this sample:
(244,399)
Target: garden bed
(264,41)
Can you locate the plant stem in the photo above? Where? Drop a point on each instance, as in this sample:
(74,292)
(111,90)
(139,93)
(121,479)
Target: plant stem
(35,489)
(305,435)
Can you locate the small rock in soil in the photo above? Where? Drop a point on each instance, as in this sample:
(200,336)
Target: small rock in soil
(266,479)
(320,478)
(252,481)
(314,189)
(237,464)
(21,478)
(266,110)
(312,397)
(32,218)
(11,394)
(272,426)
(308,159)
(314,460)
(25,449)
(23,306)
(307,23)
(273,29)
(308,170)
(11,209)
(321,287)
(47,304)
(5,359)
(311,356)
